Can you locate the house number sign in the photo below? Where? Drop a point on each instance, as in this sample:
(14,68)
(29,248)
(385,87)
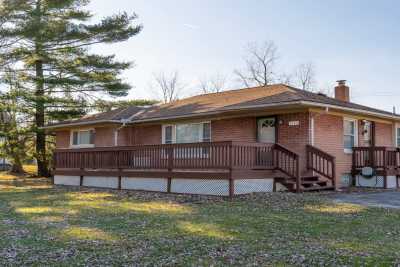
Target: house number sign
(294,123)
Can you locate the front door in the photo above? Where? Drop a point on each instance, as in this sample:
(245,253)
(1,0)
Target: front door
(266,130)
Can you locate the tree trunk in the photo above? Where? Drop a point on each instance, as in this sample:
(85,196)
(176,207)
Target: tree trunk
(41,158)
(17,167)
(42,164)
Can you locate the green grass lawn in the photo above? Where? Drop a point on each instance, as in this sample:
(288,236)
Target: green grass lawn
(41,225)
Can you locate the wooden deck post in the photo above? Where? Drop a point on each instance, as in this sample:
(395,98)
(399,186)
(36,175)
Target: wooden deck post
(231,181)
(353,168)
(170,153)
(385,168)
(334,172)
(298,175)
(81,167)
(81,179)
(119,170)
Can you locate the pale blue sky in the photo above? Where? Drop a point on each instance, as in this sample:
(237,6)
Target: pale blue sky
(356,40)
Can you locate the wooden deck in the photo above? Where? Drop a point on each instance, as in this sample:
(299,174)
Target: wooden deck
(211,160)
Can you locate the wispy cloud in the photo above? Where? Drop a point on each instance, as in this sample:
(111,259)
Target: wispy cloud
(191,26)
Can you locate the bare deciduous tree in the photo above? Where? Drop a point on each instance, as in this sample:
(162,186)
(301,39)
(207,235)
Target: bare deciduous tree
(260,63)
(212,84)
(169,85)
(285,78)
(305,76)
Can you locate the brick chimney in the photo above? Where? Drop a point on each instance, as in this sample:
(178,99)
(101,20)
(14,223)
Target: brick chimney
(342,91)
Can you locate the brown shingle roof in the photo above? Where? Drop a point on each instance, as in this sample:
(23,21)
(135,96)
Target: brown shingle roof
(115,115)
(224,101)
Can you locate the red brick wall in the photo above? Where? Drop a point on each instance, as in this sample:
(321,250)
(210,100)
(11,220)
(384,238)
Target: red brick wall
(239,129)
(140,135)
(328,136)
(124,136)
(62,139)
(104,137)
(384,134)
(295,137)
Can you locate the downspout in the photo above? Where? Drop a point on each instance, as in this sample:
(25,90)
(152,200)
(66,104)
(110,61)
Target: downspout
(311,125)
(124,122)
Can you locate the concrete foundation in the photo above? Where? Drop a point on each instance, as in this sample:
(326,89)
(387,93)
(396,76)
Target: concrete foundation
(67,180)
(147,184)
(99,181)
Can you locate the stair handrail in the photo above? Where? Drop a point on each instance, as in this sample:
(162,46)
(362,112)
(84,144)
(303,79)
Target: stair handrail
(288,162)
(321,162)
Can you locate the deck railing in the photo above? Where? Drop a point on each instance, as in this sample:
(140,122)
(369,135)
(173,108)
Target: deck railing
(193,156)
(321,162)
(287,162)
(169,156)
(378,157)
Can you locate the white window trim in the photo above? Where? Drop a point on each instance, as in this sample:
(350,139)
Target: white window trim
(312,131)
(174,130)
(116,135)
(173,133)
(347,150)
(396,126)
(71,138)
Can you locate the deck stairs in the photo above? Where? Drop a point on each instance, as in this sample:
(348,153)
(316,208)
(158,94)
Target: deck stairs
(308,183)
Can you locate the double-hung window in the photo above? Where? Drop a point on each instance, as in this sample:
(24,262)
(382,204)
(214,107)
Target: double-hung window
(187,133)
(398,136)
(82,138)
(349,134)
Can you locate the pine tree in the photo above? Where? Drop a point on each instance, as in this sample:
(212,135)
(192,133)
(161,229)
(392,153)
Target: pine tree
(47,44)
(15,133)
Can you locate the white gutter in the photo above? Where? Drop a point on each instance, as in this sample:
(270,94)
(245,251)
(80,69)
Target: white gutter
(79,124)
(372,113)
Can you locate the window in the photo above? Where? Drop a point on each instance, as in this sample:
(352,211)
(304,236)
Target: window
(349,134)
(187,133)
(168,134)
(83,138)
(398,137)
(207,132)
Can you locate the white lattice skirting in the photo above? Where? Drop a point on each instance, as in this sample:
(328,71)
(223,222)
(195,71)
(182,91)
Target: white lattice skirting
(376,181)
(218,187)
(246,186)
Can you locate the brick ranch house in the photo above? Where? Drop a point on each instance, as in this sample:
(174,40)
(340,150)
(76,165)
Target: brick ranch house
(250,140)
